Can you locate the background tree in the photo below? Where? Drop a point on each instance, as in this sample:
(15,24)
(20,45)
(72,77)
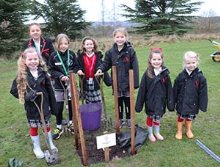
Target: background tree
(12,15)
(162,17)
(60,16)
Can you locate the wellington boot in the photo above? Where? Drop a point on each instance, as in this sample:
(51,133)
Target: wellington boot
(52,146)
(189,133)
(150,134)
(157,133)
(37,149)
(179,133)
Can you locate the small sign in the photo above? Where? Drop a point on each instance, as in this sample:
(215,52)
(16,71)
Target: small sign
(106,140)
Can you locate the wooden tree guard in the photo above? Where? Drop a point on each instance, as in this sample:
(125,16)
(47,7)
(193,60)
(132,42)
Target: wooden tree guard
(75,101)
(115,90)
(131,86)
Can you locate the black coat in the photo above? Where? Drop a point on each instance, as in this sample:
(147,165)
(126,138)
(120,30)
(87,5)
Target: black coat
(56,69)
(106,77)
(124,60)
(156,93)
(190,92)
(46,47)
(42,84)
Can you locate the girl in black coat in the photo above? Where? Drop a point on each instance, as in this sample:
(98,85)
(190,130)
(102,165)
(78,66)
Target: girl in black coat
(156,93)
(190,93)
(31,78)
(61,62)
(89,59)
(123,56)
(43,46)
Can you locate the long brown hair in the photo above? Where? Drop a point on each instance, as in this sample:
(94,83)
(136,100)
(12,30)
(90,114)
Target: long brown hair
(22,72)
(93,41)
(150,68)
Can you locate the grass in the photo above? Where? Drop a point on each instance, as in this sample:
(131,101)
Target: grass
(15,141)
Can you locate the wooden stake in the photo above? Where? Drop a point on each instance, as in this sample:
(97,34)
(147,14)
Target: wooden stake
(115,90)
(78,116)
(106,154)
(132,113)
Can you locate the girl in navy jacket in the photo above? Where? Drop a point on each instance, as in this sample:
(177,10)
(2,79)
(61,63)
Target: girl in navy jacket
(190,93)
(32,78)
(156,93)
(123,56)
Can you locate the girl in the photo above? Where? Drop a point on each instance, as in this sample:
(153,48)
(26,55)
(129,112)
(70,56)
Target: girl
(43,46)
(88,60)
(123,56)
(155,92)
(31,78)
(61,62)
(190,93)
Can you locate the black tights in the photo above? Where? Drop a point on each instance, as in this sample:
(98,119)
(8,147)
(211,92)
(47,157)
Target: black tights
(60,106)
(126,101)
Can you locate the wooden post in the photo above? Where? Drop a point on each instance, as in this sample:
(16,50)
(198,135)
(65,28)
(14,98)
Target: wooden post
(106,154)
(132,113)
(75,126)
(115,90)
(78,116)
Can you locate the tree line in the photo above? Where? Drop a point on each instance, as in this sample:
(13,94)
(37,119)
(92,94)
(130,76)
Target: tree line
(161,17)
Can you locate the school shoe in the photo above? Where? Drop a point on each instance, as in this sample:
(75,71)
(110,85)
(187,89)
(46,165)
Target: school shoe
(57,133)
(52,146)
(70,128)
(37,149)
(129,123)
(121,123)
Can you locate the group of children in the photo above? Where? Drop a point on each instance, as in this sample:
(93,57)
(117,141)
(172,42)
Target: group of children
(42,69)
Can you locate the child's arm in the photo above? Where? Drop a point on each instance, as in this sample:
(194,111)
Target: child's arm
(203,95)
(135,67)
(141,94)
(170,98)
(14,90)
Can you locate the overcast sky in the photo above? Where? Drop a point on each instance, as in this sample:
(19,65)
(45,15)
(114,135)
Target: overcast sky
(112,10)
(94,8)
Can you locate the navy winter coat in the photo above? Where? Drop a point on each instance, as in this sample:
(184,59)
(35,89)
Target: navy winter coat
(56,68)
(42,84)
(156,93)
(190,92)
(46,47)
(124,60)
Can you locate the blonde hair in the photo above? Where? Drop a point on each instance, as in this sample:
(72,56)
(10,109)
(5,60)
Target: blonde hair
(190,54)
(22,72)
(122,30)
(60,37)
(150,69)
(94,43)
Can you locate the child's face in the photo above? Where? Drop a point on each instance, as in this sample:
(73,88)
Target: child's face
(88,45)
(35,32)
(32,60)
(156,60)
(63,45)
(191,63)
(120,39)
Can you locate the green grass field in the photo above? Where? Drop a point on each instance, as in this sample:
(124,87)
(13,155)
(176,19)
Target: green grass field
(15,140)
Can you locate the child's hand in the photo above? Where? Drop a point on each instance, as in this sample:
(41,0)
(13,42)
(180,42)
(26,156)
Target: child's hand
(80,72)
(99,72)
(65,78)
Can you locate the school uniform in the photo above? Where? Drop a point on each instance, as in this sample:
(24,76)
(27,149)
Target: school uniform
(124,60)
(45,50)
(190,93)
(91,84)
(40,84)
(156,94)
(57,62)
